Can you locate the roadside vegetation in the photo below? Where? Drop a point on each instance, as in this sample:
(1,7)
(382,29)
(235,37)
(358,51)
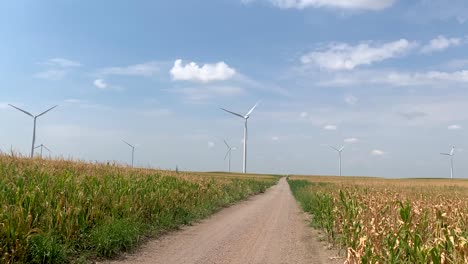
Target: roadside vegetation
(389,221)
(58,211)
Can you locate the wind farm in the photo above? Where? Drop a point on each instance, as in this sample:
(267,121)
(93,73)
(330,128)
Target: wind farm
(240,131)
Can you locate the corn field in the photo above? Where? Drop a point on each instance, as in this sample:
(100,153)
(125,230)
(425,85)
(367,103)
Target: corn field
(389,221)
(56,211)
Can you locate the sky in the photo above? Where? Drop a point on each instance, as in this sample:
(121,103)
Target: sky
(387,79)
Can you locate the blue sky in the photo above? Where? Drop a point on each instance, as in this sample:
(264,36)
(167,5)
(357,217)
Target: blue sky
(387,78)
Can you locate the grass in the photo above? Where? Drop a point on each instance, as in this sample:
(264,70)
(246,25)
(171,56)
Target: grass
(389,221)
(58,211)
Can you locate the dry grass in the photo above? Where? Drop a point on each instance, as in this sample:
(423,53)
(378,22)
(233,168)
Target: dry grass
(390,220)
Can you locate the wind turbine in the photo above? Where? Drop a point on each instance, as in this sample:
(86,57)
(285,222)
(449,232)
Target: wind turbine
(451,154)
(245,117)
(34,130)
(228,153)
(133,150)
(42,146)
(339,154)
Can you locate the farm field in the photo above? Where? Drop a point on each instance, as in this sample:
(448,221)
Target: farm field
(56,211)
(375,220)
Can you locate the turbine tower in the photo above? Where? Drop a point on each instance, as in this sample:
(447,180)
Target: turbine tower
(42,146)
(245,117)
(133,150)
(451,154)
(34,129)
(228,153)
(339,154)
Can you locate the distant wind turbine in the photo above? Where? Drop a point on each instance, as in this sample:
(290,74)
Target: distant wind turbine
(451,154)
(34,129)
(133,150)
(245,117)
(42,146)
(339,154)
(228,153)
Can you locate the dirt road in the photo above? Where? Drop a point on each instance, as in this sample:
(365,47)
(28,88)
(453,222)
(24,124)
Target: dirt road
(268,228)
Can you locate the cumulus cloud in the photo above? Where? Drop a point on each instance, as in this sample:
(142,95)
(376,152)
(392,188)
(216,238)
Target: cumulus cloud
(454,127)
(144,69)
(207,73)
(377,152)
(351,140)
(350,99)
(440,43)
(100,83)
(341,4)
(330,127)
(342,56)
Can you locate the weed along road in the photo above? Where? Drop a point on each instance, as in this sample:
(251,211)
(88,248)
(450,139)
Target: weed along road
(267,228)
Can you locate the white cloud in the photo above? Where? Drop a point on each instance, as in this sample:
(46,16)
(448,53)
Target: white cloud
(303,114)
(51,75)
(100,83)
(377,152)
(144,69)
(275,138)
(440,43)
(342,4)
(61,62)
(342,56)
(73,101)
(330,127)
(454,127)
(350,99)
(211,144)
(207,73)
(433,78)
(351,140)
(57,69)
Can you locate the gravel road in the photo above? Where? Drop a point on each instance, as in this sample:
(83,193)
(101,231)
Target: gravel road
(268,228)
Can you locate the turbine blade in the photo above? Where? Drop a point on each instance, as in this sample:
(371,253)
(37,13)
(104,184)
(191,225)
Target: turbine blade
(227,153)
(452,151)
(333,148)
(46,111)
(24,111)
(128,143)
(251,110)
(47,148)
(227,145)
(37,147)
(341,149)
(445,154)
(233,113)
